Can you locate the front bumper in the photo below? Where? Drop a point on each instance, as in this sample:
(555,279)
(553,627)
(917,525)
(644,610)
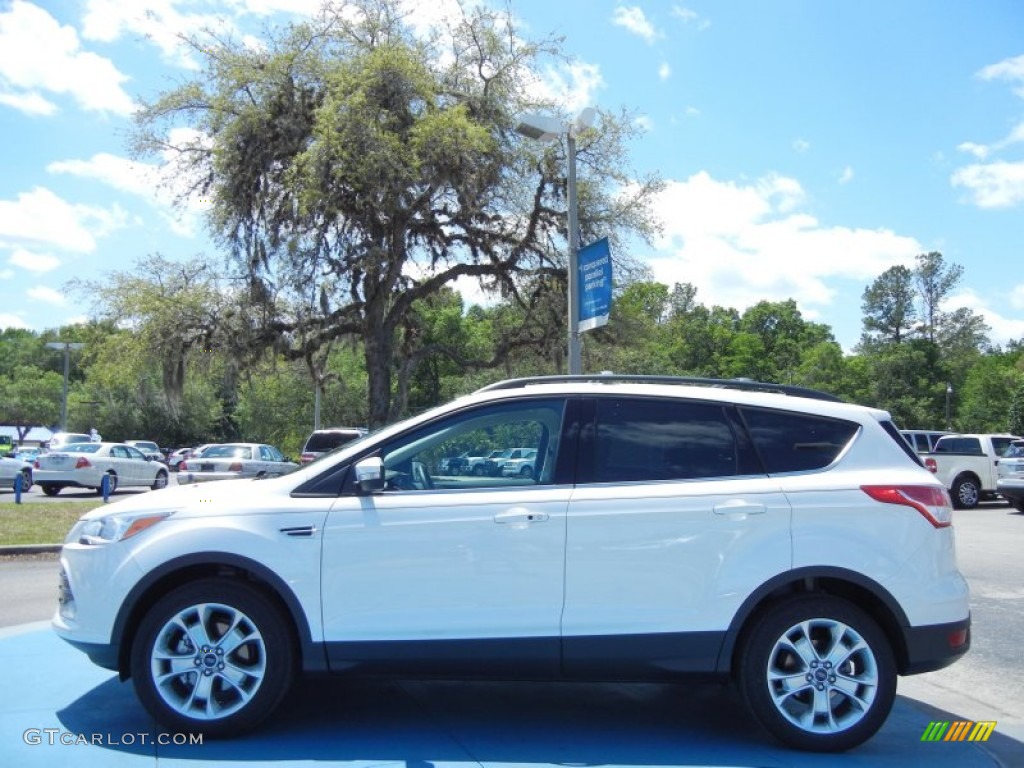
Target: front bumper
(1010,488)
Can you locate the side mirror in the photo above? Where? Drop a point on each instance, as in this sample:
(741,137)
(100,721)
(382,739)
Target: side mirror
(370,474)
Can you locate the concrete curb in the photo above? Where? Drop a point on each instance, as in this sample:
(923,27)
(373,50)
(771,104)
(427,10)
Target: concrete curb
(29,549)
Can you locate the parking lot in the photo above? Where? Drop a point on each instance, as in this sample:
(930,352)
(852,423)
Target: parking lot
(54,695)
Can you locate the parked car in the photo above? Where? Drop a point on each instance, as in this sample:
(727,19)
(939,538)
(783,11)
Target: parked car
(11,468)
(323,441)
(27,454)
(480,466)
(923,440)
(1010,480)
(966,465)
(520,464)
(793,544)
(178,457)
(453,465)
(148,448)
(60,439)
(235,461)
(84,465)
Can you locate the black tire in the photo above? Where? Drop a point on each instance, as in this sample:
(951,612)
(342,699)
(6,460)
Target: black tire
(111,485)
(526,471)
(50,489)
(26,480)
(259,667)
(847,693)
(479,470)
(966,492)
(1017,504)
(160,481)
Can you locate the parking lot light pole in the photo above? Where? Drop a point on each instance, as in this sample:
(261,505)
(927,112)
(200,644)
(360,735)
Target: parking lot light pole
(949,395)
(545,128)
(67,346)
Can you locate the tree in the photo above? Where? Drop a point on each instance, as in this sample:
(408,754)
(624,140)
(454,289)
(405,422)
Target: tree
(934,281)
(357,169)
(888,306)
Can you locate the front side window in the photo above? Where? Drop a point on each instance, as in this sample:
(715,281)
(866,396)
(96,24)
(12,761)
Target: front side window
(485,438)
(640,439)
(797,442)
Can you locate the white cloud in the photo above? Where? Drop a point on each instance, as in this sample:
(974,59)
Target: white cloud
(1003,329)
(980,151)
(158,186)
(34,262)
(574,86)
(1007,69)
(40,216)
(801,145)
(846,176)
(46,295)
(739,244)
(38,54)
(632,18)
(992,185)
(30,103)
(690,16)
(7,320)
(664,71)
(158,21)
(645,122)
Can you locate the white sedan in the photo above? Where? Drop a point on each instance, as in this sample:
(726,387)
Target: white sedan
(9,471)
(84,465)
(229,461)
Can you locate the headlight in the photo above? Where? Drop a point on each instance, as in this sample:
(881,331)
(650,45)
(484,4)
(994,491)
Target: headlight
(111,528)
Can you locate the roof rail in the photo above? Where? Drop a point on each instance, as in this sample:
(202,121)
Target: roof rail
(629,378)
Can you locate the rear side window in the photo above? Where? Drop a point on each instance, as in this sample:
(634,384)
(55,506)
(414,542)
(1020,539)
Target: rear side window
(970,445)
(796,442)
(322,442)
(637,439)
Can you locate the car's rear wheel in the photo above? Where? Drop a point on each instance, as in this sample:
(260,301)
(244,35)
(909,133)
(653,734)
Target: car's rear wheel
(526,471)
(966,493)
(111,484)
(212,656)
(818,673)
(26,480)
(160,481)
(50,489)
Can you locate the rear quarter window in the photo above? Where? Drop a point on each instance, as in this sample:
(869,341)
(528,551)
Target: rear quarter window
(796,442)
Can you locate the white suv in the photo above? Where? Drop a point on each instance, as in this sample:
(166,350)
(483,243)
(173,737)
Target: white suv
(670,528)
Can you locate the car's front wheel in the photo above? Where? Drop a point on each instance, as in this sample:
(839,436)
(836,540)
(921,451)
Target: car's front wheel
(214,657)
(818,673)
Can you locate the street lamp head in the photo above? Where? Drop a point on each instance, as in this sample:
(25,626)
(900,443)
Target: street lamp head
(540,127)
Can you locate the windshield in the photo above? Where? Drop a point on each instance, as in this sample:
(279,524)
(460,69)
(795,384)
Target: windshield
(1014,450)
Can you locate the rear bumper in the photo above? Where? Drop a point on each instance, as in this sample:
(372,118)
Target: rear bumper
(935,646)
(1010,488)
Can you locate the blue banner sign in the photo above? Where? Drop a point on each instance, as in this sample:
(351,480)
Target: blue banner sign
(594,273)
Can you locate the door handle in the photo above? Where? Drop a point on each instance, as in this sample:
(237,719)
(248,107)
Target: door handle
(520,516)
(739,507)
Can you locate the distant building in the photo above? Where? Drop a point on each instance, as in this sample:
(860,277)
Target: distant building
(34,438)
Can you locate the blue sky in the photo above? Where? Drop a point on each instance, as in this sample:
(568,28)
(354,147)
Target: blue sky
(807,146)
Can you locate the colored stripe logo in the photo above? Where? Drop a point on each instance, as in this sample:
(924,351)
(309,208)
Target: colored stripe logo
(958,730)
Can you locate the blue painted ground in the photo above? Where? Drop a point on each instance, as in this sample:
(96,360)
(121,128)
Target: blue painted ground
(52,694)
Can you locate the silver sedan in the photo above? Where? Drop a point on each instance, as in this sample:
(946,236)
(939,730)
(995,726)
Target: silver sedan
(231,461)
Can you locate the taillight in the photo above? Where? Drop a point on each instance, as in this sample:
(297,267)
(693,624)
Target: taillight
(82,463)
(236,466)
(305,458)
(931,501)
(182,466)
(35,464)
(931,465)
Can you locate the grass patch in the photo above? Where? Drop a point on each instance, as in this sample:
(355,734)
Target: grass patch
(40,523)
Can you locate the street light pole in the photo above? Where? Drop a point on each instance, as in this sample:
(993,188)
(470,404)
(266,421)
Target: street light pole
(67,346)
(575,348)
(544,128)
(949,395)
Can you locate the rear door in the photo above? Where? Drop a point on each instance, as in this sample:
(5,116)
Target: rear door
(671,526)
